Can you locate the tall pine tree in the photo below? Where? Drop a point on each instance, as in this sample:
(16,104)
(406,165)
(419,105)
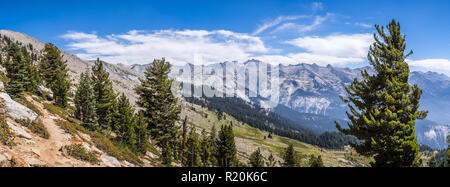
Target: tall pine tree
(193,150)
(256,159)
(16,68)
(226,147)
(290,157)
(383,106)
(159,105)
(206,149)
(124,124)
(54,73)
(104,95)
(141,132)
(85,102)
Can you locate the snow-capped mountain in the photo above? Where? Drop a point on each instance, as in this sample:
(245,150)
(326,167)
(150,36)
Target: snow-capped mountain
(312,92)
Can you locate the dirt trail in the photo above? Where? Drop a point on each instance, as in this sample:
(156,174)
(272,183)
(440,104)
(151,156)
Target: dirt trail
(41,151)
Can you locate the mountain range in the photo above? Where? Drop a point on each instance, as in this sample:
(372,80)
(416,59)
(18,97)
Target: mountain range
(310,95)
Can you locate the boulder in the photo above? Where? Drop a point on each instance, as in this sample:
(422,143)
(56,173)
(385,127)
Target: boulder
(19,132)
(16,110)
(151,155)
(110,161)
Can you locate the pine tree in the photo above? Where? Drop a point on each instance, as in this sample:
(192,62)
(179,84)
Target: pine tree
(124,124)
(159,104)
(226,147)
(271,161)
(385,107)
(206,149)
(85,102)
(256,159)
(16,71)
(315,162)
(290,157)
(61,87)
(33,79)
(104,95)
(54,74)
(141,133)
(213,146)
(193,149)
(448,151)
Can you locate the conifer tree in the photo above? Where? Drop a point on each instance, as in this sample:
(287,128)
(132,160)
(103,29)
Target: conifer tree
(290,157)
(206,149)
(54,74)
(124,123)
(104,95)
(193,149)
(16,71)
(33,79)
(271,161)
(61,87)
(315,162)
(226,147)
(256,159)
(213,145)
(85,102)
(159,104)
(383,106)
(141,133)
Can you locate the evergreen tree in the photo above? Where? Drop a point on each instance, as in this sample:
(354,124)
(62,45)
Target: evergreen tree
(206,149)
(448,151)
(159,104)
(141,133)
(290,157)
(226,147)
(213,146)
(256,159)
(271,161)
(193,149)
(315,162)
(61,87)
(124,123)
(385,107)
(33,79)
(85,102)
(54,74)
(16,71)
(104,95)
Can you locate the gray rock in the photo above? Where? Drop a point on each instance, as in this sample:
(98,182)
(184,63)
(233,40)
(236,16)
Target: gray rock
(151,155)
(110,161)
(16,110)
(19,132)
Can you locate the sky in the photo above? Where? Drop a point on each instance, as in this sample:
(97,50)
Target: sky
(336,32)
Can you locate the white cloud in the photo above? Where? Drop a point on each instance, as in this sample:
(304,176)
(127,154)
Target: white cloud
(300,28)
(365,25)
(436,65)
(353,45)
(277,21)
(139,47)
(339,50)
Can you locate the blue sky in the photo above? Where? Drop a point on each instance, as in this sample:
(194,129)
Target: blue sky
(335,32)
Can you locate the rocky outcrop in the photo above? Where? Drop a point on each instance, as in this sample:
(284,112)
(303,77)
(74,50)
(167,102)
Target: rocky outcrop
(16,110)
(19,131)
(110,161)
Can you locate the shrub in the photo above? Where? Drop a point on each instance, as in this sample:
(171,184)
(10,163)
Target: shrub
(35,127)
(5,133)
(77,151)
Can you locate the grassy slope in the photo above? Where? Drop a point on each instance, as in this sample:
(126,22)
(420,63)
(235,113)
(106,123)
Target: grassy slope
(248,139)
